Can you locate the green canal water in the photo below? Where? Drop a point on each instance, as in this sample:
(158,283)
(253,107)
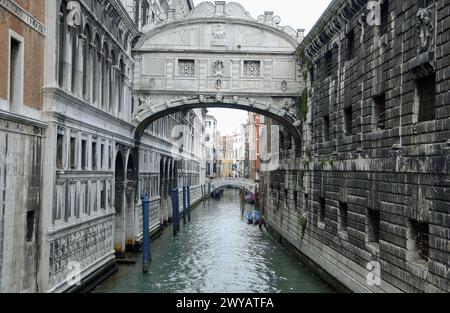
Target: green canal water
(217,253)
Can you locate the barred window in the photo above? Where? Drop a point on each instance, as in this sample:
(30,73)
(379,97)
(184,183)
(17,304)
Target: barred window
(252,68)
(186,68)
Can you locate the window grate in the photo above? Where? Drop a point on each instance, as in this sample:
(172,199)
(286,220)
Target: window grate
(252,68)
(186,68)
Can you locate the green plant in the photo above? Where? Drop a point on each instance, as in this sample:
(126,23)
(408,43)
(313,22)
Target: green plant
(304,104)
(305,164)
(303,224)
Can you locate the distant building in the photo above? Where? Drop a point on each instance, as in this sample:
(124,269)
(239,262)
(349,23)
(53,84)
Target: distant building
(22,141)
(239,150)
(211,140)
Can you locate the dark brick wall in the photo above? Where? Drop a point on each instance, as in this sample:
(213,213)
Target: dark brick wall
(401,171)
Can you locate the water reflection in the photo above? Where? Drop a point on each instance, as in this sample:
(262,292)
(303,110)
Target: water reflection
(217,252)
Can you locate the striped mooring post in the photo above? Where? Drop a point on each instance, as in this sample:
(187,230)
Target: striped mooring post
(175,209)
(146,240)
(184,204)
(188,192)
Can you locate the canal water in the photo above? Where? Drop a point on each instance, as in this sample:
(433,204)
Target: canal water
(217,253)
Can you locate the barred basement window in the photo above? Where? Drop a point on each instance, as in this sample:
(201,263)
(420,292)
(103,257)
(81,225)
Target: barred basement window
(350,45)
(252,68)
(348,120)
(328,63)
(343,209)
(426,93)
(384,19)
(322,209)
(420,235)
(380,112)
(295,200)
(326,128)
(373,226)
(30,225)
(186,68)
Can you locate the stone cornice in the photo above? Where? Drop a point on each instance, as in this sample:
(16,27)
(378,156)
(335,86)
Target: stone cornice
(214,20)
(338,14)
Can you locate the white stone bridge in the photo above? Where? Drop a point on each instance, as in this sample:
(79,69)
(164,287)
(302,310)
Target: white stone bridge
(242,183)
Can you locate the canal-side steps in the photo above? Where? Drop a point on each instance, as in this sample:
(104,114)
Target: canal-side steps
(130,258)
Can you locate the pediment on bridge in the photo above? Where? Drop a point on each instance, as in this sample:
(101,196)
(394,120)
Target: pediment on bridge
(220,25)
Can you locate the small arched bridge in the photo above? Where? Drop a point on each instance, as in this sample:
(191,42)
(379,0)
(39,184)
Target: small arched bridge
(242,183)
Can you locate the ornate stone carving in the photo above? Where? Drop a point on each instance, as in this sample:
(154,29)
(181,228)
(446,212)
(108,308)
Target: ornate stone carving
(152,83)
(218,84)
(84,246)
(284,86)
(425,30)
(74,16)
(219,35)
(218,68)
(289,109)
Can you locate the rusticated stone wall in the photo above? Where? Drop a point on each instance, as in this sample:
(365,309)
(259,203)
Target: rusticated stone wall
(373,183)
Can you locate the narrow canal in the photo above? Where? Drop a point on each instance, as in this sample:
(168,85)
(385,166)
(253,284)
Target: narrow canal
(217,252)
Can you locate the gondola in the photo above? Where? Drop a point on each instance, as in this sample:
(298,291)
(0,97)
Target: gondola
(253,217)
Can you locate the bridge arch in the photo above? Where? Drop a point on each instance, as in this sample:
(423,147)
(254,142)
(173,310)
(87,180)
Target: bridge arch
(241,183)
(218,56)
(286,116)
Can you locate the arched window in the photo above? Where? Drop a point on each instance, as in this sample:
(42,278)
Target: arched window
(62,33)
(86,64)
(112,102)
(96,71)
(73,43)
(121,85)
(104,57)
(106,76)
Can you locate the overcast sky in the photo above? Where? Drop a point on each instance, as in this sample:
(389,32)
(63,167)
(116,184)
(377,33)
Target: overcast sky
(294,13)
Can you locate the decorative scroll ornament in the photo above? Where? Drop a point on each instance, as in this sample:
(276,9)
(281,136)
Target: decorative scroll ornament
(289,109)
(218,84)
(284,86)
(144,106)
(219,35)
(74,16)
(152,83)
(425,30)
